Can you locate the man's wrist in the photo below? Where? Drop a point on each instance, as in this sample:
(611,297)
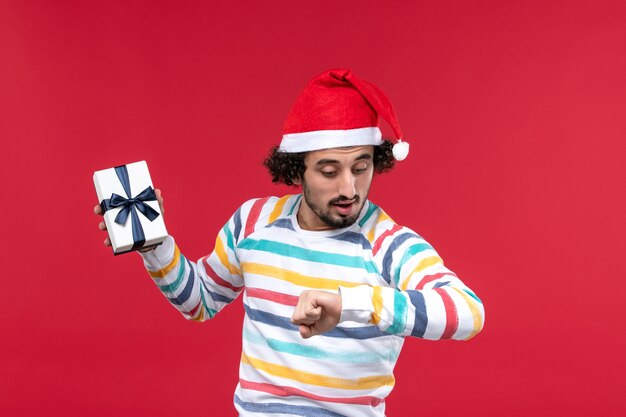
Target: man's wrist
(158,256)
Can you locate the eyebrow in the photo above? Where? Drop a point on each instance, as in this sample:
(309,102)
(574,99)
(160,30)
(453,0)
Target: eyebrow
(366,156)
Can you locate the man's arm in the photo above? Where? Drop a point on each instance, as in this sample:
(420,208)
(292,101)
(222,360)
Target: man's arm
(440,306)
(423,299)
(197,289)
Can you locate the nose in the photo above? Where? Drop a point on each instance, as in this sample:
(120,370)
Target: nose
(346,185)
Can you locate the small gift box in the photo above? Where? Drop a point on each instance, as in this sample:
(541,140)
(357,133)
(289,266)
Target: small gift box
(131,210)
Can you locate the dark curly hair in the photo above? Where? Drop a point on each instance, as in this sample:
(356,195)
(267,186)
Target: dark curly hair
(285,167)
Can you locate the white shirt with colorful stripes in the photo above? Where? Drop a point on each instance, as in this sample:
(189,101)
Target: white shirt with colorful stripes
(392,284)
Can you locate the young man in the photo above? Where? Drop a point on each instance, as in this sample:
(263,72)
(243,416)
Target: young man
(331,284)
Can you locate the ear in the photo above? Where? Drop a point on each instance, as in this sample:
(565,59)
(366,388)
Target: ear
(296,181)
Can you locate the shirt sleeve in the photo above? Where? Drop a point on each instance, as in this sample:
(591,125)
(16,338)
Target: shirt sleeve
(199,290)
(422,297)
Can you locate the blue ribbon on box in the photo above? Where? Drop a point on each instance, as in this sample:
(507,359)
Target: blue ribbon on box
(130,205)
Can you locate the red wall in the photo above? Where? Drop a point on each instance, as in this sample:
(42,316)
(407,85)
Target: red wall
(516,115)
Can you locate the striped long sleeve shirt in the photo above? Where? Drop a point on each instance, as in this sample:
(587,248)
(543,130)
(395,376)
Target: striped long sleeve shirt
(392,284)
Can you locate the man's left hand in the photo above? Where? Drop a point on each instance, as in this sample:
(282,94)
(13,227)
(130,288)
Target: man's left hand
(317,312)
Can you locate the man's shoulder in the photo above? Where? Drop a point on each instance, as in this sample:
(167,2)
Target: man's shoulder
(375,220)
(380,228)
(271,205)
(261,211)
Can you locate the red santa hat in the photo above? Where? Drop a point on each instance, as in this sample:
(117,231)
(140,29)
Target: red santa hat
(338,109)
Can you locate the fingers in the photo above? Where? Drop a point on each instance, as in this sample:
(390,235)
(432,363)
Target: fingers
(306,315)
(102,225)
(310,316)
(306,331)
(159,196)
(307,311)
(316,312)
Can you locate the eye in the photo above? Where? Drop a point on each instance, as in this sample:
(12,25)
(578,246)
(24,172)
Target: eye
(359,169)
(329,174)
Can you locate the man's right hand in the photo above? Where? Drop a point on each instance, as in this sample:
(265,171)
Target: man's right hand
(98,210)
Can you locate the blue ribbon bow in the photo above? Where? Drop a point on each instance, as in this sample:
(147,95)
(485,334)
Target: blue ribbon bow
(130,205)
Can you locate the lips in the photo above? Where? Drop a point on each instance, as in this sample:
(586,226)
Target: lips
(344,208)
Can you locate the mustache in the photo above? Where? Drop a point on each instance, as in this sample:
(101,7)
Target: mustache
(341,198)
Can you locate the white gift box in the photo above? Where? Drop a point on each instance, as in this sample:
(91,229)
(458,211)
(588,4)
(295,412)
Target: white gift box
(111,191)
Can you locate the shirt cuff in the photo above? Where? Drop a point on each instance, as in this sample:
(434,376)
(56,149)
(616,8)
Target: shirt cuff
(356,304)
(160,256)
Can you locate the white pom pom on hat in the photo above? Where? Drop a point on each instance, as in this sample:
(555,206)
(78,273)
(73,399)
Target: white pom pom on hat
(400,150)
(337,109)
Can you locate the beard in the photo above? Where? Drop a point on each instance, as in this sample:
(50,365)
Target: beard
(325,214)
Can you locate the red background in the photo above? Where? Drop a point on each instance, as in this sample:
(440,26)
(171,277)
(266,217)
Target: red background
(516,115)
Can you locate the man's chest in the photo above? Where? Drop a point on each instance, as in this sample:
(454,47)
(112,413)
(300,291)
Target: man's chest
(293,265)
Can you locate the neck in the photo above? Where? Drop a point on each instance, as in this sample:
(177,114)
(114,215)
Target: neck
(304,225)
